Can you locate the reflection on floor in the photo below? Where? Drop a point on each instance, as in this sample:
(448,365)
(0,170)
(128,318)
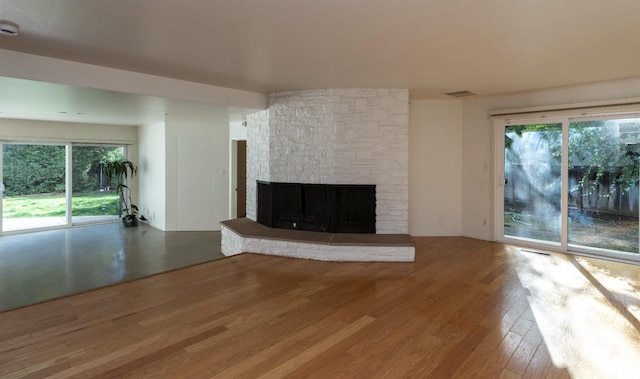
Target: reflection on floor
(586,310)
(24,223)
(44,265)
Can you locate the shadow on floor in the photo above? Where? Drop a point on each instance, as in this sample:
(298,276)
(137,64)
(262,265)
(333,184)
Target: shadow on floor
(40,266)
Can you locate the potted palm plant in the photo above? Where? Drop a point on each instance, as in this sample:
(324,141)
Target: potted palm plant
(120,171)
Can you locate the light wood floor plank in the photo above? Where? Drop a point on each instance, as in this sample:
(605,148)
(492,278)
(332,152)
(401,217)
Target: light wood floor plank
(465,308)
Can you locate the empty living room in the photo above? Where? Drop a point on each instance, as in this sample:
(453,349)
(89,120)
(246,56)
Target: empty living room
(320,189)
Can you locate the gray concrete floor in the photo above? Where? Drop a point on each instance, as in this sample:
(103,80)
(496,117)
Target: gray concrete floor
(39,266)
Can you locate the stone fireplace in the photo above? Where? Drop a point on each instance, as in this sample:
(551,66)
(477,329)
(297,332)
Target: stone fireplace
(337,137)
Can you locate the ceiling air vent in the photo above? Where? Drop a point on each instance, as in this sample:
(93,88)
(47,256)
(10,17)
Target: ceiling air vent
(461,94)
(8,29)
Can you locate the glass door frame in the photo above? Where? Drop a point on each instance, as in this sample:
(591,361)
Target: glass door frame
(499,128)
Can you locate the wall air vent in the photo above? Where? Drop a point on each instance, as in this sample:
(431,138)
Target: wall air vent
(461,94)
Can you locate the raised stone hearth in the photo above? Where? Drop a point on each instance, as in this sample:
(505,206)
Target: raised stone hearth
(246,236)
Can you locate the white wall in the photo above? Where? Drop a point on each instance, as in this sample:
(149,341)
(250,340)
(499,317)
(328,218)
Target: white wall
(435,168)
(477,184)
(238,130)
(197,184)
(184,175)
(152,174)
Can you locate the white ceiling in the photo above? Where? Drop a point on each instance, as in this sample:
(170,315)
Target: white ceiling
(429,46)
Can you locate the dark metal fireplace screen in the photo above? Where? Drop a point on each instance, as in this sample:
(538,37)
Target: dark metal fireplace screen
(335,208)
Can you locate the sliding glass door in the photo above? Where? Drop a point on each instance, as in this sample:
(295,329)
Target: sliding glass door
(53,185)
(570,184)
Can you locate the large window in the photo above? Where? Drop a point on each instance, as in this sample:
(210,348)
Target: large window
(54,185)
(571,183)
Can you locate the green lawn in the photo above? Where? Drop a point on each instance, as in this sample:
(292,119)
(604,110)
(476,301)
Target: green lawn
(90,204)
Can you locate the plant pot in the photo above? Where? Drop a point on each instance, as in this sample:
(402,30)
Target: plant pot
(129,221)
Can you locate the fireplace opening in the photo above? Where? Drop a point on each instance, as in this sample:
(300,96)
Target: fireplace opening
(334,208)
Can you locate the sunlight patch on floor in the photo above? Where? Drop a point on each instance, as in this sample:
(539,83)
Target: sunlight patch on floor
(576,319)
(621,281)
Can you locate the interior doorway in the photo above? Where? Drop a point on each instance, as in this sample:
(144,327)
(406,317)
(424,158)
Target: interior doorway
(238,178)
(241,179)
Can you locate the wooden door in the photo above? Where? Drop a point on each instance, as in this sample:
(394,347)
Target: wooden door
(241,189)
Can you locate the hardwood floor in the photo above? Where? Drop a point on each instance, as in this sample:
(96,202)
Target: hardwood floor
(464,309)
